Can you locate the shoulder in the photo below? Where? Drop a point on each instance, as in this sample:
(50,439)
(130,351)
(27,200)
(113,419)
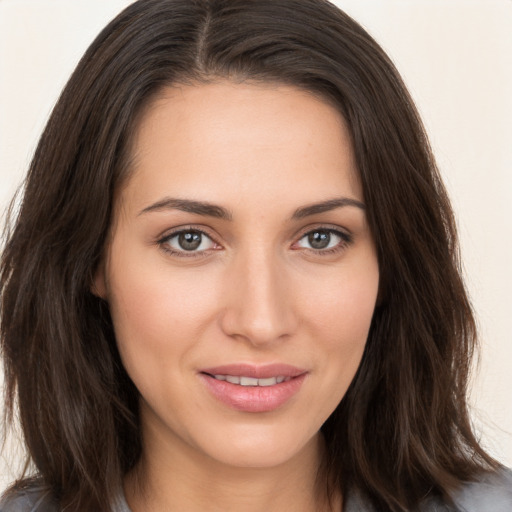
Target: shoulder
(34,498)
(492,491)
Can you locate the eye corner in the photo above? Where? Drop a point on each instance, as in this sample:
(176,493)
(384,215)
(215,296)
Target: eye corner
(328,240)
(188,242)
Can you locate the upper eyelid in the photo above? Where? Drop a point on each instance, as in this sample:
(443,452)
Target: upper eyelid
(164,240)
(170,233)
(206,231)
(324,227)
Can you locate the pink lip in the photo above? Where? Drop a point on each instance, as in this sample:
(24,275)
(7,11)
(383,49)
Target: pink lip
(257,372)
(254,398)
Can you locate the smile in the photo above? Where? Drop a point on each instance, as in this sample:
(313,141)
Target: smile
(252,381)
(253,389)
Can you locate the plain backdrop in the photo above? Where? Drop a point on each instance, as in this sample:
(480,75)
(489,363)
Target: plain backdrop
(455,56)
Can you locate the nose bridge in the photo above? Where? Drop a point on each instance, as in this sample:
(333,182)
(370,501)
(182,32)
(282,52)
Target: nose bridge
(259,305)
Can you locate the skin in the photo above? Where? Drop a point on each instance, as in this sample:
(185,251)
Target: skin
(255,291)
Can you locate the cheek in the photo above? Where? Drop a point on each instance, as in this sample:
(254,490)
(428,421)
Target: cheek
(340,316)
(158,314)
(343,305)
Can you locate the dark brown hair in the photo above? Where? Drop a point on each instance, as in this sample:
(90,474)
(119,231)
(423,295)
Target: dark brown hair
(402,431)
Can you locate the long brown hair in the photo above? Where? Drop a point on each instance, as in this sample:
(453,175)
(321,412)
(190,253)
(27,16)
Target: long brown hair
(402,431)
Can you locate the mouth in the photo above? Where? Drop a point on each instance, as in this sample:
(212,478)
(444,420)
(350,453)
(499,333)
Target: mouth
(254,389)
(242,380)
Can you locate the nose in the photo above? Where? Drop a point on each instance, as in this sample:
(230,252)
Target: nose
(259,300)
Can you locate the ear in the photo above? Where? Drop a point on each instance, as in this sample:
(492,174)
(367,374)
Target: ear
(381,294)
(99,282)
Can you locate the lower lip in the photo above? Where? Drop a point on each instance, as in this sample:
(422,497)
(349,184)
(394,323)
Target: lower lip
(253,398)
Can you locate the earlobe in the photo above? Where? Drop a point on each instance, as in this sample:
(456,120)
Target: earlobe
(99,285)
(381,295)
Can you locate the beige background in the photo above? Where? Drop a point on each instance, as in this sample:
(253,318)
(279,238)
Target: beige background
(456,57)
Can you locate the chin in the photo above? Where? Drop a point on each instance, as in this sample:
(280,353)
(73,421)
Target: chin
(263,449)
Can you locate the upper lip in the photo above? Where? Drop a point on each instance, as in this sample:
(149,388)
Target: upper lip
(256,371)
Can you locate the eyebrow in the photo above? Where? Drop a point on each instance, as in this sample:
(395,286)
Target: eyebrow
(189,206)
(325,206)
(212,210)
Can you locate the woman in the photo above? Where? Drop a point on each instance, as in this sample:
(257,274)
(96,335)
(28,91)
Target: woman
(233,279)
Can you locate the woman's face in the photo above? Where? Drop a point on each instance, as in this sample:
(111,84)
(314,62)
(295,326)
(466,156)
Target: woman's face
(241,274)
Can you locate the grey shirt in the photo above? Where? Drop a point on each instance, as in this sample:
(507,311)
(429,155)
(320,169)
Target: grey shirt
(492,493)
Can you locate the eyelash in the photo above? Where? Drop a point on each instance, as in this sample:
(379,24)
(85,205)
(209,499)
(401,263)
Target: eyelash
(345,240)
(164,243)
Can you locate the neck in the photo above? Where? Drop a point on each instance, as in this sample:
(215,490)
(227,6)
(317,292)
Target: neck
(181,479)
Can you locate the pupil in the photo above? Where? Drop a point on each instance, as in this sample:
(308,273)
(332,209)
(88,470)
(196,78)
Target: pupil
(319,239)
(189,241)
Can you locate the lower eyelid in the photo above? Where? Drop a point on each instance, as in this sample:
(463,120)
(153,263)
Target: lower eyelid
(345,238)
(164,243)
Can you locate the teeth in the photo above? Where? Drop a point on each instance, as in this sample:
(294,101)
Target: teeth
(251,381)
(248,381)
(271,381)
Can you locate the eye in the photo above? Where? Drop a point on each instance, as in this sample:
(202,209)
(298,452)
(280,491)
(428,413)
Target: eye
(187,241)
(324,240)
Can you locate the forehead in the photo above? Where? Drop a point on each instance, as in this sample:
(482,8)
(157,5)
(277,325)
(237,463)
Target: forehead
(228,136)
